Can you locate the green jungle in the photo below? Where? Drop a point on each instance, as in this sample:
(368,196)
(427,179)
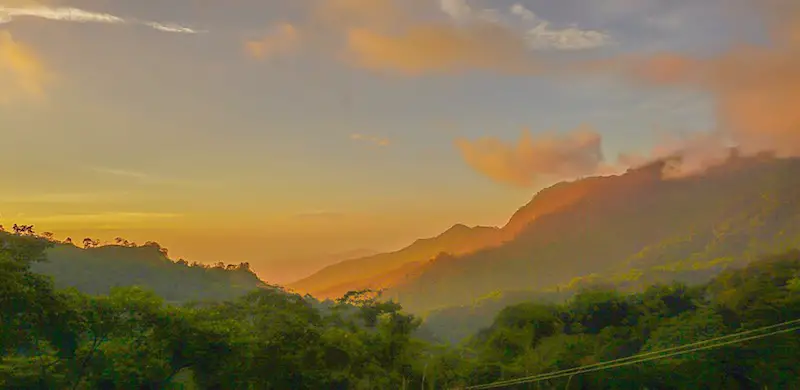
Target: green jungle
(268,338)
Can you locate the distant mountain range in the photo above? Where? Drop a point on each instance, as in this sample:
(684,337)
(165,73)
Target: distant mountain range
(286,270)
(631,229)
(387,269)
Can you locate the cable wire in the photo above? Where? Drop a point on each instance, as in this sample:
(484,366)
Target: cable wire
(661,354)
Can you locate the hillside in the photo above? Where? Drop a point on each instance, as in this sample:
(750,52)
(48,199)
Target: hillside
(636,227)
(384,269)
(286,270)
(631,230)
(98,270)
(388,269)
(746,321)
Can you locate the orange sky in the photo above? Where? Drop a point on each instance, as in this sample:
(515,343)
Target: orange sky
(268,132)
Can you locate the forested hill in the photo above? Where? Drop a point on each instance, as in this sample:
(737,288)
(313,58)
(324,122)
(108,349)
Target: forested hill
(630,230)
(742,326)
(98,269)
(640,227)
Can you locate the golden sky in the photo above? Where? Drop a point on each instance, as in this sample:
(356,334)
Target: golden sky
(267,132)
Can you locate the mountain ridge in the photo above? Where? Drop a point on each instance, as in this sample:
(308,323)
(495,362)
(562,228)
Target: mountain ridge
(641,214)
(756,199)
(356,273)
(546,201)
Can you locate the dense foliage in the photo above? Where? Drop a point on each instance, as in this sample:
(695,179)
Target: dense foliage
(270,339)
(96,269)
(131,339)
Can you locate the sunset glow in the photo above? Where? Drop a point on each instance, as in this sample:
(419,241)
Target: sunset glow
(276,133)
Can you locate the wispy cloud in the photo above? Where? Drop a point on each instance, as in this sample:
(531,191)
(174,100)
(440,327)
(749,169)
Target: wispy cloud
(149,178)
(389,36)
(77,15)
(371,139)
(22,73)
(539,32)
(282,40)
(755,88)
(123,173)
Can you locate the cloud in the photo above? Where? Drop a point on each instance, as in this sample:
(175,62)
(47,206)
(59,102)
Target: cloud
(77,15)
(123,173)
(22,74)
(696,152)
(389,36)
(171,28)
(439,49)
(371,139)
(284,39)
(151,179)
(756,88)
(533,159)
(538,32)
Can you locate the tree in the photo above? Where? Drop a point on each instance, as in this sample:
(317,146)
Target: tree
(26,230)
(90,243)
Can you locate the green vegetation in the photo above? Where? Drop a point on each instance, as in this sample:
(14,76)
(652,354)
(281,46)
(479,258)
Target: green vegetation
(270,339)
(95,269)
(632,230)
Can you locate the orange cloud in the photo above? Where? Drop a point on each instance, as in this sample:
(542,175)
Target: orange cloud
(756,87)
(283,40)
(439,48)
(372,139)
(389,36)
(22,74)
(524,164)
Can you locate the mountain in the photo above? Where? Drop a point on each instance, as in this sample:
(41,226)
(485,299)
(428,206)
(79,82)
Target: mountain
(384,269)
(98,270)
(631,229)
(290,269)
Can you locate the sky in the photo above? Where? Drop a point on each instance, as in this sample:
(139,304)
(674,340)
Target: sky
(275,132)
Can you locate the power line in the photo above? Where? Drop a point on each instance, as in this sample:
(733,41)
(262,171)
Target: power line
(554,376)
(642,355)
(664,353)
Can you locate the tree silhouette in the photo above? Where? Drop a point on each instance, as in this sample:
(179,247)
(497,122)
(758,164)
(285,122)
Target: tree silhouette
(23,230)
(89,243)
